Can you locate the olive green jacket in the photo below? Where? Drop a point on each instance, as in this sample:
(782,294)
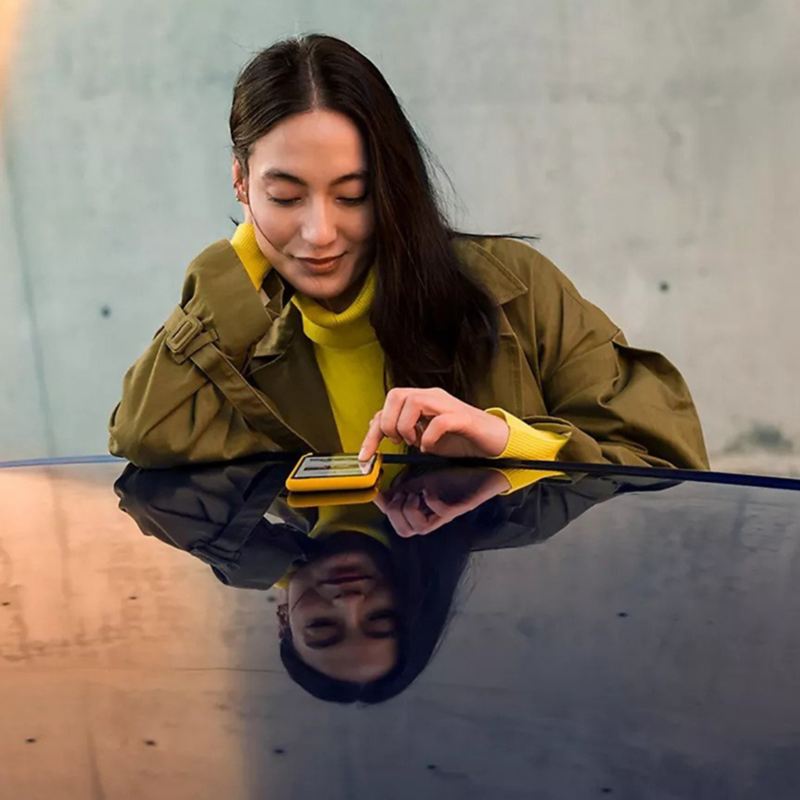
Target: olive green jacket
(229,376)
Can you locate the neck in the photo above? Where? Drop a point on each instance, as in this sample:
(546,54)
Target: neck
(344,300)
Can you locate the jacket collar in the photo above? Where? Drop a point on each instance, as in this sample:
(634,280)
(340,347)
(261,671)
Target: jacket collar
(489,270)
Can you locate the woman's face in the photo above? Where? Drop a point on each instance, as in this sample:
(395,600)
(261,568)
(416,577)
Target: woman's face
(307,189)
(342,617)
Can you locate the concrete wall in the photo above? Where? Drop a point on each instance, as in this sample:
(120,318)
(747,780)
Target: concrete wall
(652,146)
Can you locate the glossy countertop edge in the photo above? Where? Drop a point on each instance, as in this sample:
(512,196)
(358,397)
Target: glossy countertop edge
(678,475)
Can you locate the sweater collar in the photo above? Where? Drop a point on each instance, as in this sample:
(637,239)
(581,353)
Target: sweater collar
(350,328)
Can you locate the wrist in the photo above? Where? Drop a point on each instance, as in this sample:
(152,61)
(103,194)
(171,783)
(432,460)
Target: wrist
(498,482)
(497,433)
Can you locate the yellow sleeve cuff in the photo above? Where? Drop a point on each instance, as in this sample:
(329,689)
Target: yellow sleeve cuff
(526,441)
(520,478)
(246,247)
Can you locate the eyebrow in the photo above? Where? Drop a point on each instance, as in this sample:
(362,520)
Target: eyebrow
(280,175)
(333,640)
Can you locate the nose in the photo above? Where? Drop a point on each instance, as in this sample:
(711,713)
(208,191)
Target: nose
(319,226)
(348,596)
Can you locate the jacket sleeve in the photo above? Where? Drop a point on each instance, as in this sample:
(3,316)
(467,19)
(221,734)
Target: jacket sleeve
(616,403)
(536,513)
(182,400)
(216,513)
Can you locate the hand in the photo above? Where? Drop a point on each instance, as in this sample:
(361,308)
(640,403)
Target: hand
(421,504)
(435,422)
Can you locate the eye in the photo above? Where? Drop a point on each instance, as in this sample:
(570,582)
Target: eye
(385,614)
(285,201)
(353,201)
(382,622)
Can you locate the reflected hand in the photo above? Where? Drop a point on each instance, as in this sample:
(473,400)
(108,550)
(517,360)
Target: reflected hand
(435,422)
(419,505)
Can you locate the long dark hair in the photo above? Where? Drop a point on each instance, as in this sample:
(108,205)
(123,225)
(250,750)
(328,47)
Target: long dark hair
(435,324)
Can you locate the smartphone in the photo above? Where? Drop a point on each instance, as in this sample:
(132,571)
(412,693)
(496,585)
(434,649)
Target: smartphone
(331,473)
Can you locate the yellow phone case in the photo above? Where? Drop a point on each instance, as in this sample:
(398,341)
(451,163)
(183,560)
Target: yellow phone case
(333,483)
(353,497)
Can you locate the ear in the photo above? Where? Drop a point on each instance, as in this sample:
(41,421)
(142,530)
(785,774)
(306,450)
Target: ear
(284,631)
(239,178)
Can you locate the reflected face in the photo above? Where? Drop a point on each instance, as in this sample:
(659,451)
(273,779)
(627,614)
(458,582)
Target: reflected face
(342,617)
(308,193)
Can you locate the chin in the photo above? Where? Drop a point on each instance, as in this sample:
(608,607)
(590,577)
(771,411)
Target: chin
(313,290)
(324,287)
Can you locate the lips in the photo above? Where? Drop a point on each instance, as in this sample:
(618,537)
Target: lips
(320,265)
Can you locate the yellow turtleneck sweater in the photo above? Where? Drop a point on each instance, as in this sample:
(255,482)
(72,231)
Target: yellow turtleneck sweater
(351,361)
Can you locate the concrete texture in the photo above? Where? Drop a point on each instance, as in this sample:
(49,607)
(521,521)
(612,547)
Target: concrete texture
(652,147)
(22,401)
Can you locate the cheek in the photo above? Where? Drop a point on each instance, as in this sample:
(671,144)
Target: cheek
(310,606)
(367,223)
(278,226)
(358,227)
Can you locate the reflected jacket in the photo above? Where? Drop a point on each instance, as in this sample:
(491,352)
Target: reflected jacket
(234,518)
(231,373)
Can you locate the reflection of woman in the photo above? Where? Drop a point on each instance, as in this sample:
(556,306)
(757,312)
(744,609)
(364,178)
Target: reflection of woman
(345,281)
(364,609)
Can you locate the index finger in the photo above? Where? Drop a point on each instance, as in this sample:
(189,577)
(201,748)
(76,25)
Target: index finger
(371,441)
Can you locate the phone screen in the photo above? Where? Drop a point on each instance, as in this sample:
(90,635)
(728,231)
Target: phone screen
(341,466)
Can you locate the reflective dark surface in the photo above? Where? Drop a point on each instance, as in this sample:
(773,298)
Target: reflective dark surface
(620,635)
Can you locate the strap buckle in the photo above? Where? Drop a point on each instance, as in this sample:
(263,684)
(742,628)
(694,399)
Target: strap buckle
(182,329)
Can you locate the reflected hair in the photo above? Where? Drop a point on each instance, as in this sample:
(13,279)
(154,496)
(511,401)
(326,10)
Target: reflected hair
(436,325)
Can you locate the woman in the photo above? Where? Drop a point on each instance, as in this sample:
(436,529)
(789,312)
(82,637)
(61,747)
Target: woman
(346,315)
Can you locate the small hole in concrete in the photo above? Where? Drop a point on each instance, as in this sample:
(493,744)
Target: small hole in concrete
(105,311)
(150,742)
(279,751)
(607,790)
(31,740)
(431,766)
(663,286)
(622,613)
(270,598)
